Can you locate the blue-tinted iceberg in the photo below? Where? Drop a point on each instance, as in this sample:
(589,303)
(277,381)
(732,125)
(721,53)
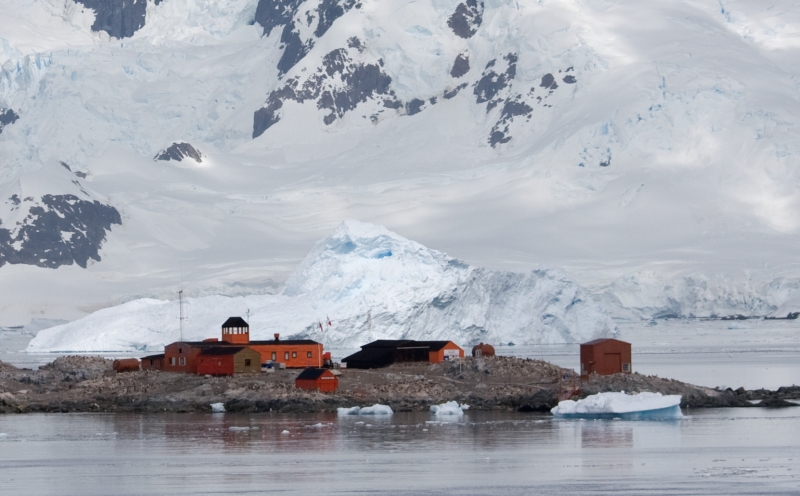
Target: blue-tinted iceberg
(641,406)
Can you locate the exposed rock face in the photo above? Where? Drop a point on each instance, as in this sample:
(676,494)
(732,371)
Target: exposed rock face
(467,19)
(119,18)
(7,117)
(179,151)
(287,13)
(58,230)
(80,174)
(460,66)
(339,86)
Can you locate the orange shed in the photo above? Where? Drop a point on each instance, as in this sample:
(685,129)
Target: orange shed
(605,357)
(442,351)
(317,379)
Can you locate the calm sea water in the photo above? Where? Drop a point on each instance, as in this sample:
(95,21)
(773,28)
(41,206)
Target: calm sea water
(730,451)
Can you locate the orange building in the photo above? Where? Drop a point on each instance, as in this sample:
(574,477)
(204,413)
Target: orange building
(182,356)
(228,360)
(442,351)
(317,379)
(605,357)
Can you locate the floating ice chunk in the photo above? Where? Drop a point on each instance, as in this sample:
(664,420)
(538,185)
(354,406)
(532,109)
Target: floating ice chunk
(640,406)
(238,429)
(449,408)
(315,426)
(3,434)
(376,409)
(217,407)
(285,432)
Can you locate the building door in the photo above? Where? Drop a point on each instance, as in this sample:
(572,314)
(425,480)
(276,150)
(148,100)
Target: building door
(612,363)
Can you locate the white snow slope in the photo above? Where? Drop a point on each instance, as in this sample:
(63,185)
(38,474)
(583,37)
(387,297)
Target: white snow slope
(663,176)
(371,284)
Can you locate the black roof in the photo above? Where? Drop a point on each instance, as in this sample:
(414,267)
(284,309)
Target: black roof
(153,357)
(370,355)
(311,374)
(286,341)
(388,343)
(224,350)
(235,322)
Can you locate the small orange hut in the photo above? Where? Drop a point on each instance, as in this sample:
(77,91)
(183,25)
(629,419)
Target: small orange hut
(317,379)
(605,357)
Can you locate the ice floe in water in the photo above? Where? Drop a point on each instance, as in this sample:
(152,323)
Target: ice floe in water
(449,408)
(217,407)
(641,406)
(375,409)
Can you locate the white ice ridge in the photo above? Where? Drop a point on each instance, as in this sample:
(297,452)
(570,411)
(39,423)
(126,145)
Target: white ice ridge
(369,283)
(376,409)
(619,403)
(449,408)
(217,407)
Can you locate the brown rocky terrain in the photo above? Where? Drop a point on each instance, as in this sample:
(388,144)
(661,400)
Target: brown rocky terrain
(88,384)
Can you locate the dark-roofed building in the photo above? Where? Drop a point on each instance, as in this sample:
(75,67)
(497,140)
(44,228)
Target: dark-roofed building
(385,352)
(605,356)
(153,362)
(228,360)
(317,379)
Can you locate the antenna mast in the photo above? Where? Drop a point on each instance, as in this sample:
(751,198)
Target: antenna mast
(180,305)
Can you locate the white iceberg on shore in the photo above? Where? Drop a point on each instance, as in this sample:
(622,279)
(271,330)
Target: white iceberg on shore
(376,409)
(641,406)
(449,408)
(372,284)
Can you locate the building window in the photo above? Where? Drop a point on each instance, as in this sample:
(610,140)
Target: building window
(294,354)
(182,361)
(151,362)
(172,360)
(626,367)
(308,354)
(180,350)
(274,356)
(286,355)
(246,362)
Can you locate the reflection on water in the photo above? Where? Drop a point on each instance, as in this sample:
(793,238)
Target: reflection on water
(711,452)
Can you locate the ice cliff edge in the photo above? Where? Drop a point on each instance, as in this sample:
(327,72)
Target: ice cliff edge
(370,283)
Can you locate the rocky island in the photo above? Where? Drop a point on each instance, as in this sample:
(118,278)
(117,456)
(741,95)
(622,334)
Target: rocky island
(89,384)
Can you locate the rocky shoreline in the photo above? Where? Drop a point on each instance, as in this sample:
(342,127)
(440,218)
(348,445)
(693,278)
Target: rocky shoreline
(89,384)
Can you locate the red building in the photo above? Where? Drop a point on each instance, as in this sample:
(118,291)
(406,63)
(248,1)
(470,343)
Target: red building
(317,379)
(605,357)
(228,360)
(153,362)
(182,356)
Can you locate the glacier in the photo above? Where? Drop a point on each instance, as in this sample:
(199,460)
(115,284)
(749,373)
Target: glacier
(646,147)
(640,406)
(361,283)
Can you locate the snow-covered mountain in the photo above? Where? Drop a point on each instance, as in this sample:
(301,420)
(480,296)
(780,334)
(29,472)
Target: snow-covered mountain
(359,284)
(647,147)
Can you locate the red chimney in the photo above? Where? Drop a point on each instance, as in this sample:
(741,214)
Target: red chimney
(277,337)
